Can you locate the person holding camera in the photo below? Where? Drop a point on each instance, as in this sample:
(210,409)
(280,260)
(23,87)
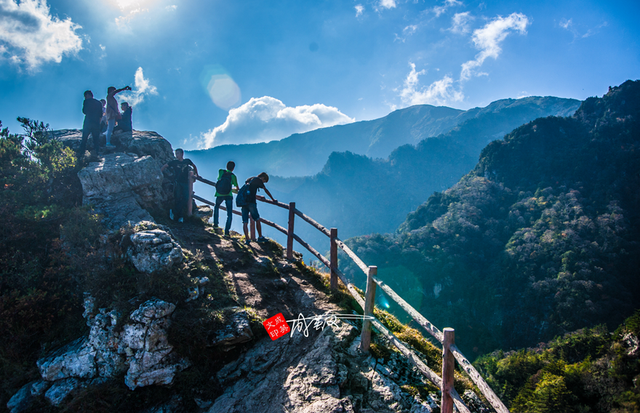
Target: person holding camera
(113,114)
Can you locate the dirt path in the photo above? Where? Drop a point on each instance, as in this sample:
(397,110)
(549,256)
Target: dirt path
(259,274)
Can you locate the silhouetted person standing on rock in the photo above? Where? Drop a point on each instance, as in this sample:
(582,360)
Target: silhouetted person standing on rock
(113,114)
(184,173)
(92,110)
(226,180)
(251,206)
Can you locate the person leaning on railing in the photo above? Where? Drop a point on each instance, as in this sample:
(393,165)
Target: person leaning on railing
(251,207)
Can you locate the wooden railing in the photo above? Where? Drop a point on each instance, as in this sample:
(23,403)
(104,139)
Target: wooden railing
(447,338)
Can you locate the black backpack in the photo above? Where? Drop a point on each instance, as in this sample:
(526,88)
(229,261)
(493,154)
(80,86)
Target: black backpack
(223,186)
(243,194)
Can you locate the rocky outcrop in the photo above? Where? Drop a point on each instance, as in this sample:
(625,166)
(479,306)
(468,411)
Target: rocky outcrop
(324,372)
(141,349)
(238,331)
(139,143)
(125,182)
(152,248)
(122,187)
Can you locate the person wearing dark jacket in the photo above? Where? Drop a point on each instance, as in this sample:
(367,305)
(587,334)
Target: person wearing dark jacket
(184,172)
(92,110)
(124,124)
(255,183)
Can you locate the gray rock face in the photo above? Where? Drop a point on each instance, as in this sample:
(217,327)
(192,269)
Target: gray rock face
(121,186)
(311,374)
(136,142)
(237,332)
(127,181)
(153,249)
(24,398)
(141,349)
(76,359)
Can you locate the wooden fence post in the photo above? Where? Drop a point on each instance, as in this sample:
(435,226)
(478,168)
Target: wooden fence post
(448,364)
(190,197)
(370,298)
(334,259)
(252,226)
(292,217)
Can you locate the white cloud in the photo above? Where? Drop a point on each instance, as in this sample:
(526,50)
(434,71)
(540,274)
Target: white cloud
(30,36)
(359,10)
(439,10)
(388,4)
(439,92)
(141,89)
(569,26)
(406,32)
(460,23)
(265,119)
(488,40)
(172,7)
(409,30)
(446,90)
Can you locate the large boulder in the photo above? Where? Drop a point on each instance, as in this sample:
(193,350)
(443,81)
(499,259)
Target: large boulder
(122,187)
(153,248)
(140,143)
(141,349)
(125,183)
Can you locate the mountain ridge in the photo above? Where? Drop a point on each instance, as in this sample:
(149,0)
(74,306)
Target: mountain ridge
(375,138)
(542,237)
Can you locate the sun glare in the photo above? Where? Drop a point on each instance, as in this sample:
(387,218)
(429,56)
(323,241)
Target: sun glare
(128,5)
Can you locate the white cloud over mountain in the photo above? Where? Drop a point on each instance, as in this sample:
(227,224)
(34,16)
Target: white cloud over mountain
(487,40)
(265,119)
(30,36)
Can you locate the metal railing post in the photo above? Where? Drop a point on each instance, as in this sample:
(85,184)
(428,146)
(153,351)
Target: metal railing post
(334,259)
(448,364)
(292,217)
(365,340)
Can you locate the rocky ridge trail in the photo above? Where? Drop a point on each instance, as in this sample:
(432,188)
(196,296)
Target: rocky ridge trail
(237,367)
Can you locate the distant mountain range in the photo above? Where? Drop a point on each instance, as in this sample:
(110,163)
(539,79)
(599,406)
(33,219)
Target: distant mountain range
(540,239)
(305,154)
(355,190)
(360,195)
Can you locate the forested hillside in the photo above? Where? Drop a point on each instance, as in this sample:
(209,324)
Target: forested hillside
(590,370)
(540,239)
(361,195)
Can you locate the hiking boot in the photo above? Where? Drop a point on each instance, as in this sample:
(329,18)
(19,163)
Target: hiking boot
(262,239)
(247,241)
(226,233)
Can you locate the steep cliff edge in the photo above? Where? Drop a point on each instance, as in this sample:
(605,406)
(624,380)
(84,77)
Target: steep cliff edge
(173,315)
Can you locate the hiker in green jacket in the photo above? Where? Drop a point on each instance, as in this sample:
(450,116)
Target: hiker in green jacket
(226,180)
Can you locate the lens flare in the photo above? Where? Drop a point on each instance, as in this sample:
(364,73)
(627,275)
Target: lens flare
(222,89)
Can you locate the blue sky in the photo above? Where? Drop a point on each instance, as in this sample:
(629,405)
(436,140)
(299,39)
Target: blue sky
(211,72)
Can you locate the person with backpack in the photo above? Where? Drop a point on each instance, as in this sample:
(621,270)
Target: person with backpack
(246,199)
(226,180)
(184,171)
(92,110)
